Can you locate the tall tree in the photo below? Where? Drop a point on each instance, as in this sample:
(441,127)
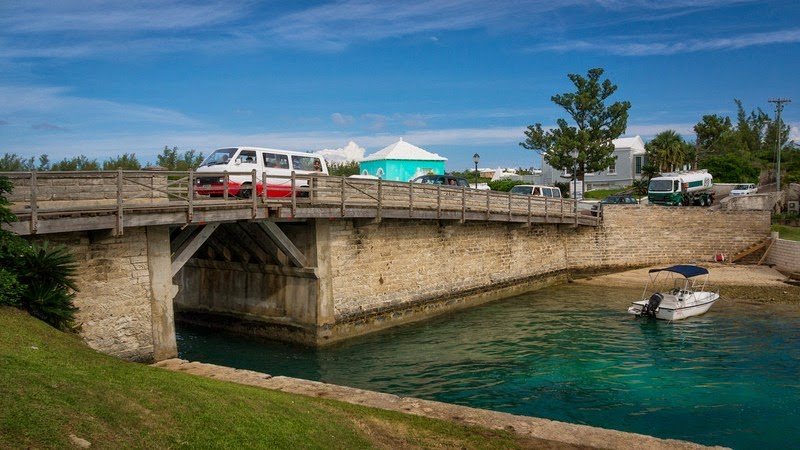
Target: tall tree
(668,151)
(595,126)
(77,163)
(126,161)
(173,159)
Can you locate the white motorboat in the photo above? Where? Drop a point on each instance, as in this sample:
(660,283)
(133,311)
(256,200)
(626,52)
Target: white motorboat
(679,298)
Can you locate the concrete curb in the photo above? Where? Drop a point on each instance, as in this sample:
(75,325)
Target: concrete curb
(531,427)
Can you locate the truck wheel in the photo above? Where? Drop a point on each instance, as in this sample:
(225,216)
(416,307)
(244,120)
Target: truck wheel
(245,191)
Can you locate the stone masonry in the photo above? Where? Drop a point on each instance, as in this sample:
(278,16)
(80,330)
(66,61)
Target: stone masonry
(365,276)
(785,255)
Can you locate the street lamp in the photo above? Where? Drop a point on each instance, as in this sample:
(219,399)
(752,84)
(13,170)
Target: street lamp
(574,154)
(476,158)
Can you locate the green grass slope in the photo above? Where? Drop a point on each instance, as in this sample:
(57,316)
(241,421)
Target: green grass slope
(53,386)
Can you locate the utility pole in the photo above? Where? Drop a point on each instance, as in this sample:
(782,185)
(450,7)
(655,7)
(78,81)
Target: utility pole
(778,108)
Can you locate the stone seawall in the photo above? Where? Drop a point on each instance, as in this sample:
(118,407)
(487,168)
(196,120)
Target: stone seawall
(785,255)
(387,273)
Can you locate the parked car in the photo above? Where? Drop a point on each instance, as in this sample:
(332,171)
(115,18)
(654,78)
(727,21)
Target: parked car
(536,190)
(447,180)
(620,199)
(743,189)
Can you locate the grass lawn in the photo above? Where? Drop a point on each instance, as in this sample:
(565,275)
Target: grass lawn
(787,232)
(52,386)
(599,194)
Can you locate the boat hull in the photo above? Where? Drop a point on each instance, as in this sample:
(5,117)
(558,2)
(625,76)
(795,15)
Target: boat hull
(677,310)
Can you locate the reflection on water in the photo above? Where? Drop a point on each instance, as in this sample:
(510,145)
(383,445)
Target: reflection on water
(570,353)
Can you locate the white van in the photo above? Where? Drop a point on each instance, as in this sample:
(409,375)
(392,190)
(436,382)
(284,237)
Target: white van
(276,163)
(536,190)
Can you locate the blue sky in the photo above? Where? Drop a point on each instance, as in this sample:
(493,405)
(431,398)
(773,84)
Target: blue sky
(102,78)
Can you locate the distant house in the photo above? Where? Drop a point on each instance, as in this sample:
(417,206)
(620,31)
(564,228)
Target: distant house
(402,161)
(630,155)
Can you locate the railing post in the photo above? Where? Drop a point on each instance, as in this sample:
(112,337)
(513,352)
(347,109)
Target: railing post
(120,225)
(562,211)
(410,199)
(190,210)
(546,201)
(264,188)
(34,225)
(576,212)
(294,195)
(488,203)
(509,206)
(463,204)
(438,201)
(254,192)
(344,184)
(225,181)
(380,200)
(529,209)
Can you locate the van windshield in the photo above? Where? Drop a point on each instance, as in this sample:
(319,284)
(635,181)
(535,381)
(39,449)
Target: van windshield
(660,186)
(221,156)
(741,187)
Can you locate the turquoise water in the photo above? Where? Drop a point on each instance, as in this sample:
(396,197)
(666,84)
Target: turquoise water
(730,377)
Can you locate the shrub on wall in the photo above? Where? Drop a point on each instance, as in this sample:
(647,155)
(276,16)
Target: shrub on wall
(37,278)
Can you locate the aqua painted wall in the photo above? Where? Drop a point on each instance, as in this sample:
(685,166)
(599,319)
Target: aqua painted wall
(400,169)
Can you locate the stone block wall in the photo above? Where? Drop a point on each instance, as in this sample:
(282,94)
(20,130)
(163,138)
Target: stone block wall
(785,254)
(638,235)
(90,188)
(115,294)
(396,264)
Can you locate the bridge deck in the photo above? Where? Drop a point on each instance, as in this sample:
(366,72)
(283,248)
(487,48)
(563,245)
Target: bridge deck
(53,202)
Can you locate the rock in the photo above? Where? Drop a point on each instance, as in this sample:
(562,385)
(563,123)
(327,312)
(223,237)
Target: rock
(79,442)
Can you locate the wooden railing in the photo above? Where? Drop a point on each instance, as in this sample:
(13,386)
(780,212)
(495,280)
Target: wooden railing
(116,199)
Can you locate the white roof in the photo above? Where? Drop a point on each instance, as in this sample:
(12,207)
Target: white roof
(404,150)
(634,143)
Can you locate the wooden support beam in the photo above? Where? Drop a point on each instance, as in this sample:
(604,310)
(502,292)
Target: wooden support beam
(184,252)
(220,249)
(242,251)
(764,256)
(244,240)
(182,236)
(261,239)
(284,243)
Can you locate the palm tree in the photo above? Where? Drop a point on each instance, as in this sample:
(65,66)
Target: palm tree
(668,151)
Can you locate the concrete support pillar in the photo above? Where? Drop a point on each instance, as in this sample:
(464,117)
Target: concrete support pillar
(325,312)
(162,293)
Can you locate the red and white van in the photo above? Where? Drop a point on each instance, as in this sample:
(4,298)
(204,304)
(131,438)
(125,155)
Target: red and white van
(241,161)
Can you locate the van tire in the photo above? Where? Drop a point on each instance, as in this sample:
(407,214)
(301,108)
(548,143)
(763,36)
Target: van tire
(245,191)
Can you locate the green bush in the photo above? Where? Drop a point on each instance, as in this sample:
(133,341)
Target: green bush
(47,274)
(37,278)
(504,185)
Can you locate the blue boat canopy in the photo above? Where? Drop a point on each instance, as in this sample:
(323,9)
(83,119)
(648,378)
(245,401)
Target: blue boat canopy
(684,269)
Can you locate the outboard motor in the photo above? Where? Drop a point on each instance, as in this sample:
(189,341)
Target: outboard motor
(649,309)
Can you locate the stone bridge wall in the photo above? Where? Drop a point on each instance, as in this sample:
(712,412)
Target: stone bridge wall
(401,270)
(370,276)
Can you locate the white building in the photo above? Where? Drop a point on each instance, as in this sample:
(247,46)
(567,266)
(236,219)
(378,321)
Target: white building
(630,158)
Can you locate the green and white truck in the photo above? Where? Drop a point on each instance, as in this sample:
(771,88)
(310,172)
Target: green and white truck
(681,188)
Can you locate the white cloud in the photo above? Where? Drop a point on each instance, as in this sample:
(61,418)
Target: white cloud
(57,102)
(377,122)
(47,16)
(342,119)
(640,46)
(350,152)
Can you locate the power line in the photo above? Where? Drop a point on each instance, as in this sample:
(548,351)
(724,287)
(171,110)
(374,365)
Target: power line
(778,108)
